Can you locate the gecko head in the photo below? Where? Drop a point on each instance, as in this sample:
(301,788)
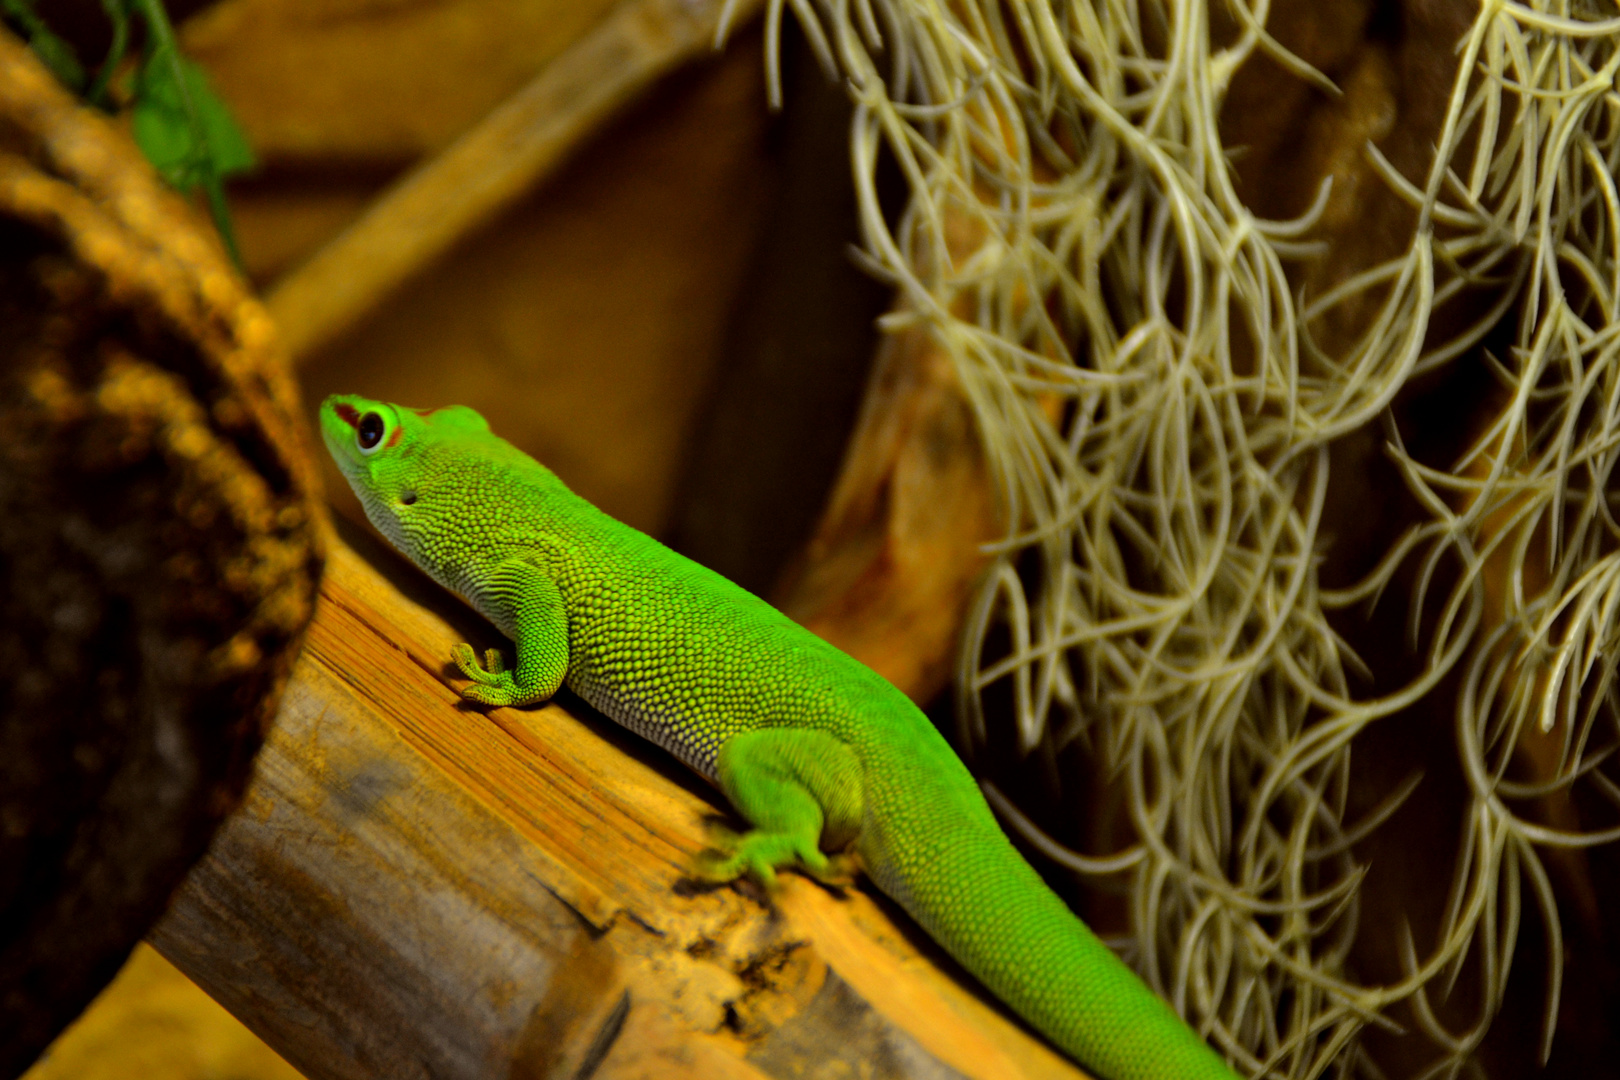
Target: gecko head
(380,447)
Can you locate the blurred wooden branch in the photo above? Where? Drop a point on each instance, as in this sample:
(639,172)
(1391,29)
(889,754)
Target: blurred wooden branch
(891,567)
(413,888)
(496,162)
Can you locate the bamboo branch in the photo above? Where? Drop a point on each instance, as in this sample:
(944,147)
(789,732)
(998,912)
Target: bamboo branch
(482,173)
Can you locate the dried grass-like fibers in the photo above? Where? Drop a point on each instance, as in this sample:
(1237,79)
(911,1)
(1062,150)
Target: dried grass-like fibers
(1159,408)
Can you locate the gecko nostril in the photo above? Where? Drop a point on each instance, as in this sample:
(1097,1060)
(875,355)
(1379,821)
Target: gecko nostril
(407,498)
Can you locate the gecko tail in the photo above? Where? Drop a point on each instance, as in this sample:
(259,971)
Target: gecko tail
(979,899)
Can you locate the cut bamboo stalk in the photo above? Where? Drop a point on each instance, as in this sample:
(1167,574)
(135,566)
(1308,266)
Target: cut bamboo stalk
(491,166)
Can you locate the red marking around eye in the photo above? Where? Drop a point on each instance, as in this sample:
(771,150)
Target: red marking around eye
(347,414)
(393,437)
(427,414)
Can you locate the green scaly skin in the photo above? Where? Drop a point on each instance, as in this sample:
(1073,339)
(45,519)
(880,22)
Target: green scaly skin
(814,749)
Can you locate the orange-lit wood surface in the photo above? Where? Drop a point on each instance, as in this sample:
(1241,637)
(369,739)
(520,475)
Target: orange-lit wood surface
(415,888)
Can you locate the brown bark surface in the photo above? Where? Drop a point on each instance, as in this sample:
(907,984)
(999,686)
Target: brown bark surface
(159,547)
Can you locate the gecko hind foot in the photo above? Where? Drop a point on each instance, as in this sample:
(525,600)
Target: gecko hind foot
(758,854)
(842,869)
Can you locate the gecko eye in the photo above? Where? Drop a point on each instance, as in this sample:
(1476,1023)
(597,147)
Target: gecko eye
(369,432)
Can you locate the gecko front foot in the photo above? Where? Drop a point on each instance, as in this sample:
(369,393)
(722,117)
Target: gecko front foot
(492,684)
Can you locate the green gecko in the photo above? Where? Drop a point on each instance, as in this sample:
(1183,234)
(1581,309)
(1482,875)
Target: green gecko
(817,751)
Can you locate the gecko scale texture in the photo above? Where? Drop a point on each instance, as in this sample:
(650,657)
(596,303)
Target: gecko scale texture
(813,748)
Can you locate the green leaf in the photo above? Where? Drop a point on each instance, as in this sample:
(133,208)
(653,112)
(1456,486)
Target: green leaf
(185,131)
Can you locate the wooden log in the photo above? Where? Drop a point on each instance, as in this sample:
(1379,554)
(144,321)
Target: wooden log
(416,888)
(158,546)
